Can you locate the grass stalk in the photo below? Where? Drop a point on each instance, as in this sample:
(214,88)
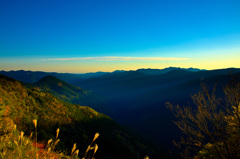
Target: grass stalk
(35,125)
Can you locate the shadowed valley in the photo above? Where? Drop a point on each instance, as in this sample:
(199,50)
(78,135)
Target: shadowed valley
(135,99)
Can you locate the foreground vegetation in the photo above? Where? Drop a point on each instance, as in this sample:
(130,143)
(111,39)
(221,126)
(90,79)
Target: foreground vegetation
(77,124)
(15,145)
(211,127)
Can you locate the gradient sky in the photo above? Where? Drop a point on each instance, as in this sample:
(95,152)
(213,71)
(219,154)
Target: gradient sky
(105,35)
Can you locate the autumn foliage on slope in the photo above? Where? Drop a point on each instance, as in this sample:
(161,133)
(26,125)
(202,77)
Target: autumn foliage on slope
(77,123)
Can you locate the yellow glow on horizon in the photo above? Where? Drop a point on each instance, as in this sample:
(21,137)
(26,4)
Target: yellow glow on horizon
(206,60)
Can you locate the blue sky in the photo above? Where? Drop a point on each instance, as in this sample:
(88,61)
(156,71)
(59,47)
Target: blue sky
(106,35)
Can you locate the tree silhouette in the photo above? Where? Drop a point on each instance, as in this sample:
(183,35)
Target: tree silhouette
(211,128)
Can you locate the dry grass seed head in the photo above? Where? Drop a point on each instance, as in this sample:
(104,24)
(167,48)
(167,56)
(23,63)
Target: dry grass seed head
(146,157)
(76,152)
(96,136)
(56,142)
(35,123)
(49,141)
(95,148)
(26,142)
(73,149)
(16,142)
(21,135)
(49,149)
(88,149)
(14,127)
(31,135)
(57,132)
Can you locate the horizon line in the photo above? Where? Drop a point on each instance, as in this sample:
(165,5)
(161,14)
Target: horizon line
(122,70)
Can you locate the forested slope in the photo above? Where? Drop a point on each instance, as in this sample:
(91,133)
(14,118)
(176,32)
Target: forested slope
(77,124)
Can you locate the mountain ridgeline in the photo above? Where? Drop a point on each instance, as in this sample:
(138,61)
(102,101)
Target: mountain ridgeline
(77,123)
(65,91)
(133,98)
(35,76)
(138,99)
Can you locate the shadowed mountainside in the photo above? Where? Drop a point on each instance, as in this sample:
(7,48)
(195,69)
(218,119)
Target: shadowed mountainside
(137,98)
(77,123)
(66,92)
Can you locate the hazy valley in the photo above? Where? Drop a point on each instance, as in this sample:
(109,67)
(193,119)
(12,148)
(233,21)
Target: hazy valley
(135,99)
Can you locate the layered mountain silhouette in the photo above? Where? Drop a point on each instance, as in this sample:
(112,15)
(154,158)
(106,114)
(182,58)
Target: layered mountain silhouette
(137,98)
(77,123)
(34,76)
(165,70)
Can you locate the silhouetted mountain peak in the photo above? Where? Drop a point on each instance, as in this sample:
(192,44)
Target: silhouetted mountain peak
(49,78)
(51,81)
(117,71)
(54,82)
(149,71)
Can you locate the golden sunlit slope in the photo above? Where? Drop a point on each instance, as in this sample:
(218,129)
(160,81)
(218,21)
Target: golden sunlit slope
(77,124)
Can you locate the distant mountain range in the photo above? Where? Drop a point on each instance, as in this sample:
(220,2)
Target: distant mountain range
(133,98)
(77,123)
(34,76)
(165,70)
(137,99)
